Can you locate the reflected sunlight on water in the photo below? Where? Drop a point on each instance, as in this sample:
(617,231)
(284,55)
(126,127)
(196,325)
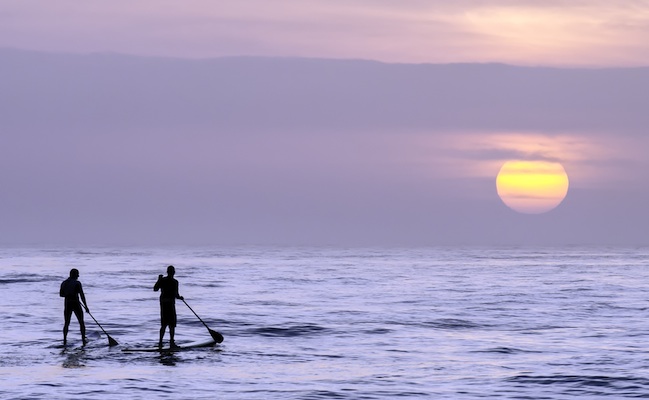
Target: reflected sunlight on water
(344,323)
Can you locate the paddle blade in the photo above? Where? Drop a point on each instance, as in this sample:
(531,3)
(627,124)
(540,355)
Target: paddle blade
(216,336)
(112,342)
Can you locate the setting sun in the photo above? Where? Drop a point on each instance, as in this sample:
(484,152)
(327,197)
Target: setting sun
(532,187)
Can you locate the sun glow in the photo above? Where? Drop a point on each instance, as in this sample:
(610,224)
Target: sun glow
(532,187)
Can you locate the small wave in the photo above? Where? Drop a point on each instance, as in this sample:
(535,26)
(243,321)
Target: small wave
(535,330)
(616,383)
(377,331)
(16,280)
(325,394)
(452,323)
(505,350)
(24,278)
(50,384)
(291,331)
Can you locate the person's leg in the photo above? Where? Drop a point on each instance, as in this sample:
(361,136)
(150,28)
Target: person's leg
(67,315)
(172,332)
(172,325)
(163,322)
(78,312)
(162,333)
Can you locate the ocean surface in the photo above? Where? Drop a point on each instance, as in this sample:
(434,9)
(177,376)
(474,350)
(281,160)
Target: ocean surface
(323,323)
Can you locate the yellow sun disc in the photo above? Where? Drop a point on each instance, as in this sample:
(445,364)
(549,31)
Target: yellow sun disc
(532,187)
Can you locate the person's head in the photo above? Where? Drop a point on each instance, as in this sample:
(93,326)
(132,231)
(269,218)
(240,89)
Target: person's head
(171,271)
(74,273)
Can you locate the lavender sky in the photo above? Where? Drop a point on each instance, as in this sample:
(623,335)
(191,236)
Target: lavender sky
(522,32)
(344,122)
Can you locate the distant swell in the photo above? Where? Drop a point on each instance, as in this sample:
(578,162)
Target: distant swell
(450,323)
(617,383)
(505,350)
(290,331)
(28,278)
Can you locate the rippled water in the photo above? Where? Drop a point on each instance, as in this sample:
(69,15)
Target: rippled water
(334,323)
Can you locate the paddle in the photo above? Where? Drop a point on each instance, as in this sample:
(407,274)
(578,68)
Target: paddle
(215,335)
(111,341)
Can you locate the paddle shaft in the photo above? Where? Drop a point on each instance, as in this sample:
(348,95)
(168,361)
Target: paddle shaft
(215,335)
(111,341)
(199,318)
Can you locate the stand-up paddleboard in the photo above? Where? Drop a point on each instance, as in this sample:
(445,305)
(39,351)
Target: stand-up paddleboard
(77,343)
(186,346)
(70,345)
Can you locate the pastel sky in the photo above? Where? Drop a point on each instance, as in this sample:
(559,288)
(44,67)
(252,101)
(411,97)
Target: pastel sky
(131,122)
(527,32)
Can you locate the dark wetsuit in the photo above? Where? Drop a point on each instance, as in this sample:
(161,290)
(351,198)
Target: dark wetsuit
(71,289)
(169,288)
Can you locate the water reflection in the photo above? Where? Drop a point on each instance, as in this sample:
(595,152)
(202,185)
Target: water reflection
(74,358)
(168,359)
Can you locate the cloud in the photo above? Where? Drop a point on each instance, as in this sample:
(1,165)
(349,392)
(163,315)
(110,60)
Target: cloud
(134,149)
(591,33)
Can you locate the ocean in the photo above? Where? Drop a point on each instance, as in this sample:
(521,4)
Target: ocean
(333,323)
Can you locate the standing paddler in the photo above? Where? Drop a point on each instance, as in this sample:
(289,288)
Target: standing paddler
(71,289)
(169,293)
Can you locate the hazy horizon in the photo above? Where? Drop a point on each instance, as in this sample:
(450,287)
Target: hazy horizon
(122,149)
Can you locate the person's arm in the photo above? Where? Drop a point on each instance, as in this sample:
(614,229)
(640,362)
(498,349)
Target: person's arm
(178,296)
(156,287)
(61,290)
(83,297)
